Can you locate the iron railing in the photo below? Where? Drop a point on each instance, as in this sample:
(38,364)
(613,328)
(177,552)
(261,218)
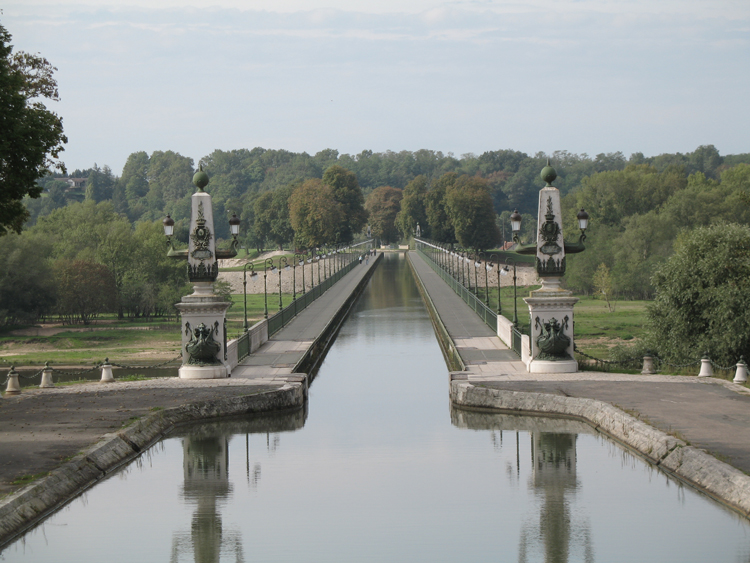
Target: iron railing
(488,316)
(282,318)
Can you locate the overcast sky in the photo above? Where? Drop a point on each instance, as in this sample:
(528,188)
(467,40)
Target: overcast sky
(465,76)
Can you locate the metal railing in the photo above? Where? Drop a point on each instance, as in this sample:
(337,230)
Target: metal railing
(488,316)
(283,317)
(516,340)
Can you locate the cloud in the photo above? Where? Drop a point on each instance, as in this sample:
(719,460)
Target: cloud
(453,76)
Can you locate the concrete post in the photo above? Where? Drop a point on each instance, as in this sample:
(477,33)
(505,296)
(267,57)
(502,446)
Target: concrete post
(107,376)
(740,375)
(46,377)
(13,387)
(706,369)
(648,366)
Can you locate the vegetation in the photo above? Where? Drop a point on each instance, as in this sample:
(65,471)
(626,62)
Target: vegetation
(32,136)
(703,292)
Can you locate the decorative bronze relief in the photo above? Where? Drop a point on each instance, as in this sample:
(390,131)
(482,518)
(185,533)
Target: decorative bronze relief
(202,347)
(552,341)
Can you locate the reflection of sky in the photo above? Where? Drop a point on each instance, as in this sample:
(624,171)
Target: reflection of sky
(378,472)
(463,76)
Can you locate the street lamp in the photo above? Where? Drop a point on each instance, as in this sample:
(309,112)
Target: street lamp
(489,267)
(312,272)
(515,224)
(298,259)
(267,262)
(505,272)
(477,264)
(244,286)
(286,267)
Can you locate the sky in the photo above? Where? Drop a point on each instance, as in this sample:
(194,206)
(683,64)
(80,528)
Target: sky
(463,76)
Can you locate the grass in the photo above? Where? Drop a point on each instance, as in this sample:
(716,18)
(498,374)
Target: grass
(26,479)
(596,329)
(134,377)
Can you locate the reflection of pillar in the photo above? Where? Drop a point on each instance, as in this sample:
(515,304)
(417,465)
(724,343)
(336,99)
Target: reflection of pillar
(554,481)
(206,473)
(206,482)
(553,476)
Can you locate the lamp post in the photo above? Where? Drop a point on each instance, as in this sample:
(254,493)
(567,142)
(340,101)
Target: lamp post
(286,267)
(487,270)
(267,262)
(477,264)
(504,272)
(244,286)
(312,271)
(298,259)
(499,308)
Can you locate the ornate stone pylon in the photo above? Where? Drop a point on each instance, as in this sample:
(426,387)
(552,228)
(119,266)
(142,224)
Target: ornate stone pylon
(551,307)
(203,313)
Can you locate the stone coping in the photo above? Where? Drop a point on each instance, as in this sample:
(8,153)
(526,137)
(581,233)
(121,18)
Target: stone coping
(702,471)
(26,507)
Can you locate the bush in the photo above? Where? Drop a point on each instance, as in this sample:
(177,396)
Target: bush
(703,297)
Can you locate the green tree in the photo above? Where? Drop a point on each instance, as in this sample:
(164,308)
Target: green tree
(414,208)
(603,285)
(702,293)
(469,206)
(348,194)
(84,290)
(27,291)
(438,219)
(315,214)
(383,205)
(31,138)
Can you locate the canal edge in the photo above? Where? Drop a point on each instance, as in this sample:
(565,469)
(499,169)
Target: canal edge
(314,355)
(27,507)
(447,345)
(689,465)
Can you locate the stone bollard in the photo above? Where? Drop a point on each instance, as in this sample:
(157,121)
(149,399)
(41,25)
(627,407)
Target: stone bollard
(13,387)
(648,366)
(741,375)
(46,377)
(706,369)
(107,376)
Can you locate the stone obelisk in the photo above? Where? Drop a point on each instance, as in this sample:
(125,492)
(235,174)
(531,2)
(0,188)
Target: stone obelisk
(551,307)
(203,313)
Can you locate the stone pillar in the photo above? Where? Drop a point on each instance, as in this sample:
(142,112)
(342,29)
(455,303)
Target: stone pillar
(203,314)
(551,307)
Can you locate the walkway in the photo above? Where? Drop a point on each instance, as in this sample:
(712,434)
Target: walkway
(275,360)
(710,413)
(477,344)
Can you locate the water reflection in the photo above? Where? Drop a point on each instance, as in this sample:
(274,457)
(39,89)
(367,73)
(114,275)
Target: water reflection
(553,481)
(206,484)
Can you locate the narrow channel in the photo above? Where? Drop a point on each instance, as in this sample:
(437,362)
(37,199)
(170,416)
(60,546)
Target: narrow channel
(382,468)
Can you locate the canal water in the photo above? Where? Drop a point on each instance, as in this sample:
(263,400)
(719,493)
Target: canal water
(382,468)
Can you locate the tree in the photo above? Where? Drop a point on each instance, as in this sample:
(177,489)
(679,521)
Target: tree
(32,137)
(348,194)
(84,290)
(383,205)
(414,208)
(469,206)
(702,293)
(603,284)
(438,219)
(26,287)
(315,214)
